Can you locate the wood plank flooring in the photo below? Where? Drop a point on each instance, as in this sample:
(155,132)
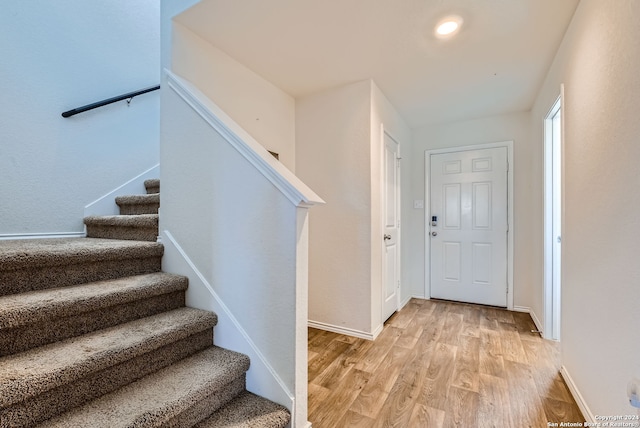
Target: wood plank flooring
(439,364)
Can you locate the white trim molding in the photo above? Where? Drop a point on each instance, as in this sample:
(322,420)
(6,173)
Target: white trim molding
(510,208)
(291,186)
(552,283)
(346,331)
(405,301)
(18,236)
(575,392)
(106,205)
(533,315)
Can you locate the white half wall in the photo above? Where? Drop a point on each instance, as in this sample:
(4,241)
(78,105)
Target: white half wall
(57,56)
(515,127)
(235,222)
(598,63)
(262,109)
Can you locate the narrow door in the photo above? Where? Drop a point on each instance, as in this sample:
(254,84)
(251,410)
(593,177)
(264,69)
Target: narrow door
(468,226)
(391,217)
(553,220)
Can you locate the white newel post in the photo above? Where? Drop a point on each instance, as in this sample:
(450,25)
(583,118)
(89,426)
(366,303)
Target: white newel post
(302,316)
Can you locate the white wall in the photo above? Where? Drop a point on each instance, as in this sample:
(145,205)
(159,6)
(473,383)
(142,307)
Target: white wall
(514,127)
(261,108)
(338,153)
(169,9)
(333,135)
(58,56)
(598,63)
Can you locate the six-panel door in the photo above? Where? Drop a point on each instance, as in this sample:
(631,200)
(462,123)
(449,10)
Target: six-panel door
(468,196)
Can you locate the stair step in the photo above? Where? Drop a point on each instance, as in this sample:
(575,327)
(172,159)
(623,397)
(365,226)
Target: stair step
(143,227)
(43,382)
(178,396)
(28,265)
(248,410)
(39,317)
(139,204)
(152,185)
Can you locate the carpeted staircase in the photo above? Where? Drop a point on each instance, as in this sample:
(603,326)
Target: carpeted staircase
(93,334)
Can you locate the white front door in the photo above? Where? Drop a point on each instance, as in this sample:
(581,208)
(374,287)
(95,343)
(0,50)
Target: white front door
(391,215)
(468,226)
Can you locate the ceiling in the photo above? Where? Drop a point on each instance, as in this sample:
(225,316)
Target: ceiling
(494,65)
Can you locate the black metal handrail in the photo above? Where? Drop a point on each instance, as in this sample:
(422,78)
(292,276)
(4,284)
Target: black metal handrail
(128,96)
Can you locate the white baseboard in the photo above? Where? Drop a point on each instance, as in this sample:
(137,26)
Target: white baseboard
(575,392)
(106,205)
(404,303)
(16,236)
(534,317)
(346,331)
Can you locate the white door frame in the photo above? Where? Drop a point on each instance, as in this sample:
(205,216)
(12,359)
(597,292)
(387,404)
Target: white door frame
(384,131)
(427,212)
(551,289)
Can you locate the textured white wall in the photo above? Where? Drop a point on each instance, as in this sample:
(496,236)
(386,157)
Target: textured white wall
(237,229)
(338,154)
(598,63)
(263,110)
(514,127)
(333,156)
(61,55)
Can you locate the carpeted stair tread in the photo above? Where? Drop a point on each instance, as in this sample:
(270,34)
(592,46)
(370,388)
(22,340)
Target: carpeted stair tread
(33,319)
(142,220)
(39,264)
(142,227)
(152,185)
(153,198)
(37,306)
(248,410)
(139,204)
(33,372)
(165,398)
(20,254)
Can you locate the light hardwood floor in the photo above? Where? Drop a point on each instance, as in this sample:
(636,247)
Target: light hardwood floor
(439,364)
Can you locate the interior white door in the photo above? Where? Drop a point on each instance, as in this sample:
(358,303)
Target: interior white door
(468,226)
(391,215)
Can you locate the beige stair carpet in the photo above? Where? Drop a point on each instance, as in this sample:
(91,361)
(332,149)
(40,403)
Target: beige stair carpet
(93,334)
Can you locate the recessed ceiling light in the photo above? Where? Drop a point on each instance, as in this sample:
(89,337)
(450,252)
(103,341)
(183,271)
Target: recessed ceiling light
(448,26)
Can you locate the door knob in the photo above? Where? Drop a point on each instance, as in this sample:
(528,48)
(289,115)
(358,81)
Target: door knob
(387,237)
(434,233)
